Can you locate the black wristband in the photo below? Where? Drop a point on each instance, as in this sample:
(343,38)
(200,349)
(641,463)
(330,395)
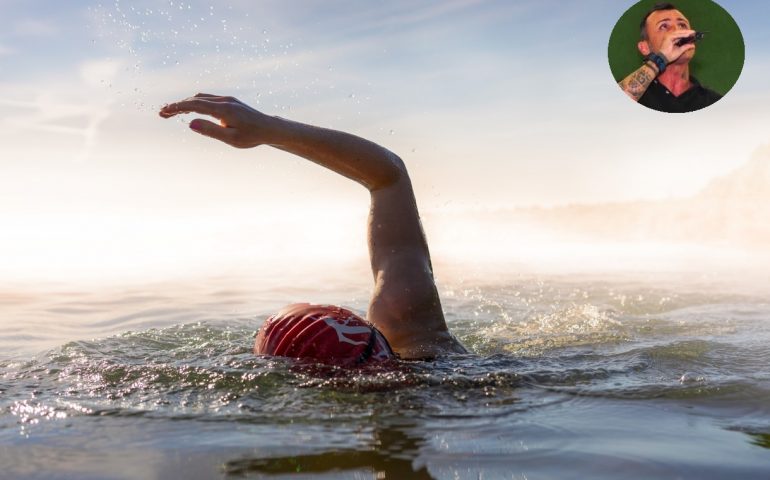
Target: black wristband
(652,65)
(659,60)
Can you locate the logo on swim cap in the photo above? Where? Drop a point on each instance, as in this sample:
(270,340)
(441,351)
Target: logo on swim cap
(343,328)
(326,333)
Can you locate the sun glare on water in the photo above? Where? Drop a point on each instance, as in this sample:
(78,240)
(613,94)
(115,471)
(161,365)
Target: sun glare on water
(106,248)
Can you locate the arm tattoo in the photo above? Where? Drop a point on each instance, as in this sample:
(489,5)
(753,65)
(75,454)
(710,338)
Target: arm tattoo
(637,83)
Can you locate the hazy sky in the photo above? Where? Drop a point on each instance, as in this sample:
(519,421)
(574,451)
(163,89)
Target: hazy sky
(490,103)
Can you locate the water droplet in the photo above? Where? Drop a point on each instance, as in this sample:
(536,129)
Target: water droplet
(688,377)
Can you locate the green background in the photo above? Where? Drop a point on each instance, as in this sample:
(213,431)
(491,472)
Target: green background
(719,59)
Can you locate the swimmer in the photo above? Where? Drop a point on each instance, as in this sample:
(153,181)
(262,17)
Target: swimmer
(405,318)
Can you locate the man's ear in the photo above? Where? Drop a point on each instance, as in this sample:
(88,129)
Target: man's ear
(644,47)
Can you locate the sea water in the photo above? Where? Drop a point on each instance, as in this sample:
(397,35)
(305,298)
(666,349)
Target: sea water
(575,376)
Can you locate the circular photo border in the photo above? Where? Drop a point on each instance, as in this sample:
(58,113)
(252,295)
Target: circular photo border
(719,60)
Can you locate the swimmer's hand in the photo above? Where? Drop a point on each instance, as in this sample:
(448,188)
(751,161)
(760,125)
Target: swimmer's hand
(671,50)
(239,125)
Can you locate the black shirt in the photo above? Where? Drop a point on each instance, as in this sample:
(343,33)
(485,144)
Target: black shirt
(696,97)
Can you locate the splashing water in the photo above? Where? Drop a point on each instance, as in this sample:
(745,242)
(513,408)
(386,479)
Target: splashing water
(639,369)
(216,48)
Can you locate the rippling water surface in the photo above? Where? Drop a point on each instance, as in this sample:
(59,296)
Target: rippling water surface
(571,377)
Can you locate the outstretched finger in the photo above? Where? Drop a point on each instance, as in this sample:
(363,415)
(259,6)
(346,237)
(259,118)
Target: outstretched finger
(211,129)
(217,98)
(196,105)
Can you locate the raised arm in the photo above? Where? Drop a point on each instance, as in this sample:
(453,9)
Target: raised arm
(405,305)
(636,83)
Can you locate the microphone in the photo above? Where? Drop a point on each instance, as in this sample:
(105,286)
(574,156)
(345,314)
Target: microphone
(695,38)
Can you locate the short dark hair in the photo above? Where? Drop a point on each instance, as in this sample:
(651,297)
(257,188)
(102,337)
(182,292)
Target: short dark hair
(658,6)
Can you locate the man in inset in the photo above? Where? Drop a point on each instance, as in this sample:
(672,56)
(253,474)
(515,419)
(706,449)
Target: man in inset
(664,82)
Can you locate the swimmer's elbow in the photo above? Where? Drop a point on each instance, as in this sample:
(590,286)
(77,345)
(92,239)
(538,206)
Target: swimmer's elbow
(393,171)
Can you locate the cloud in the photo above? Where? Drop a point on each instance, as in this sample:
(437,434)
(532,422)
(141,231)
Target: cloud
(35,28)
(4,50)
(407,15)
(57,110)
(95,72)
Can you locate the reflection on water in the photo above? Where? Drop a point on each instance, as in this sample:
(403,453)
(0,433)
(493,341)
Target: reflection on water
(392,454)
(761,439)
(571,378)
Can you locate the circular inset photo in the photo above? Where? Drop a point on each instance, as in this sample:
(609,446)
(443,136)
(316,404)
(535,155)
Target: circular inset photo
(676,57)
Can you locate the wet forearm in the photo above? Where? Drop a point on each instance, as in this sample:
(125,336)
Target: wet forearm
(354,157)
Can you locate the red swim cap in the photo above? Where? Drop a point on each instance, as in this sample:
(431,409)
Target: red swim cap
(326,333)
